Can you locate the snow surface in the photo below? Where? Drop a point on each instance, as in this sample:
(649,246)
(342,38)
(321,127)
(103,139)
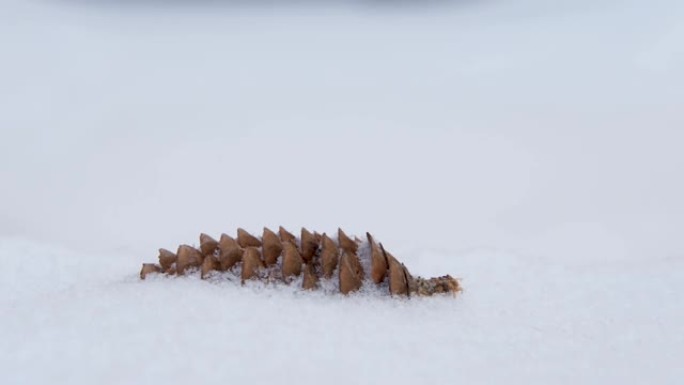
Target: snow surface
(532,148)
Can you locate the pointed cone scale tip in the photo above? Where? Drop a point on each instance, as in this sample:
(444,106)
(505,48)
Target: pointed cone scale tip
(286,236)
(230,257)
(326,241)
(309,245)
(227,242)
(188,256)
(231,252)
(246,239)
(349,274)
(207,244)
(292,261)
(272,247)
(166,259)
(378,261)
(346,243)
(329,256)
(149,268)
(210,264)
(251,263)
(398,281)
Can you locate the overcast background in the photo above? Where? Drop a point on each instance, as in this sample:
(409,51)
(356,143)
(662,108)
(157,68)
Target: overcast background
(547,127)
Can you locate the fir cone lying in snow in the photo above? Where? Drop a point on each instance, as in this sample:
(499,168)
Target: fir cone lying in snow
(350,262)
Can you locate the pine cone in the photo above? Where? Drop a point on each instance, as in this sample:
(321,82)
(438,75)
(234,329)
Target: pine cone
(314,257)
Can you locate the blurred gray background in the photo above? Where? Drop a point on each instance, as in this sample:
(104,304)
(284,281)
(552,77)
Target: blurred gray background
(548,128)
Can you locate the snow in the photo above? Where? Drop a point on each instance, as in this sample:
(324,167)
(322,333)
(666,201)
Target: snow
(531,148)
(520,320)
